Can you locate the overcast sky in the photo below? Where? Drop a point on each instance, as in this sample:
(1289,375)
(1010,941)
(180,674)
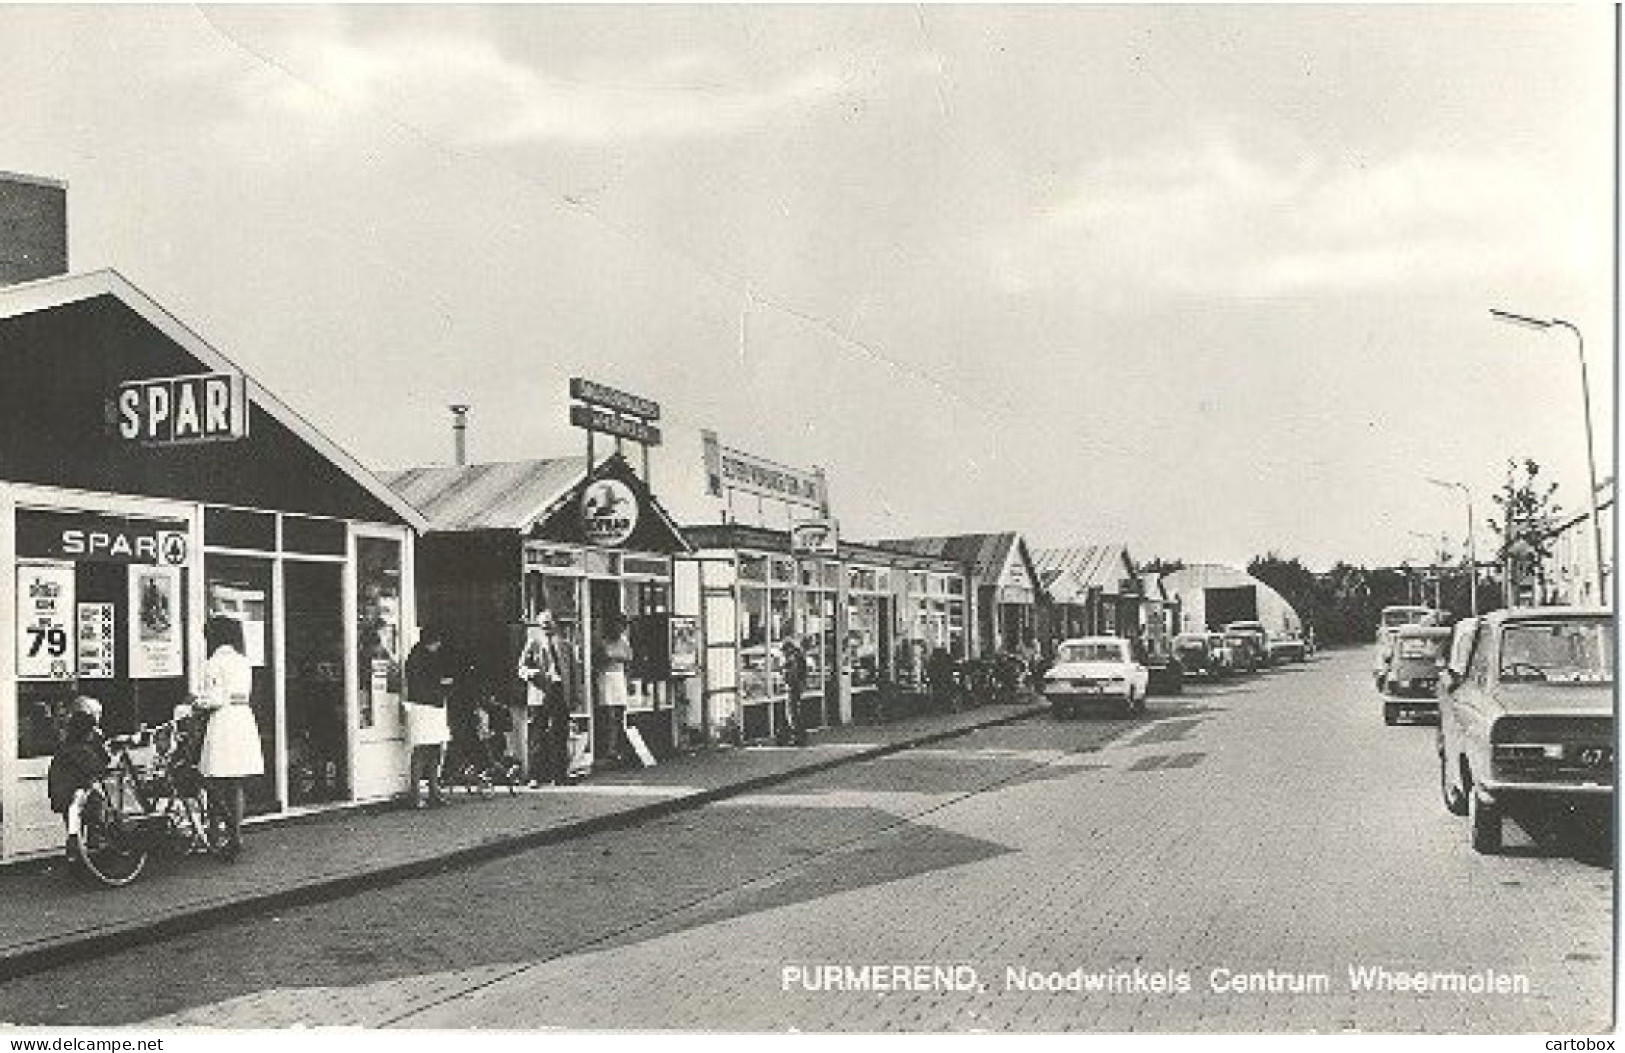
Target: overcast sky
(1209,280)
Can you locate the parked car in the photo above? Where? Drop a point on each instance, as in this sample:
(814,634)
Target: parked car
(1388,623)
(1287,648)
(1526,715)
(1251,639)
(1095,668)
(1202,654)
(1411,685)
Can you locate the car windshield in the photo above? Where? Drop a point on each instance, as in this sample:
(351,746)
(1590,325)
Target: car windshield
(1091,652)
(1396,616)
(1419,647)
(1564,652)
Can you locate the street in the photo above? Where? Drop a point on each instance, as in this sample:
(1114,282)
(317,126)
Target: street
(1226,863)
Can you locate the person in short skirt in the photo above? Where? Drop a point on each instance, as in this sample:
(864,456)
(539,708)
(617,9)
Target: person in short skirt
(231,742)
(428,683)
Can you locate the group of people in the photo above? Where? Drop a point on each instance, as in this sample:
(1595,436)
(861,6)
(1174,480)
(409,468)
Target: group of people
(547,666)
(219,722)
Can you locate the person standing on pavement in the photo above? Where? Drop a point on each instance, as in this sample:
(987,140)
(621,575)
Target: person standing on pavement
(794,669)
(428,685)
(542,668)
(231,740)
(612,655)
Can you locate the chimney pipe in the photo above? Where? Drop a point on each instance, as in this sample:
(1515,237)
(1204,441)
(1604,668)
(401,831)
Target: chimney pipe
(459,433)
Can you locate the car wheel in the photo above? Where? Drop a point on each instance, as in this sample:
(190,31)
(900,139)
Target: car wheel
(1390,713)
(1485,818)
(1455,802)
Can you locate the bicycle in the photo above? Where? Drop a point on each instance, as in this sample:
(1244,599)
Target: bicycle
(133,809)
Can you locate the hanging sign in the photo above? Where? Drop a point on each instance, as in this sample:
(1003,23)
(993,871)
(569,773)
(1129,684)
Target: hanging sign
(45,623)
(165,411)
(155,623)
(609,512)
(815,538)
(97,657)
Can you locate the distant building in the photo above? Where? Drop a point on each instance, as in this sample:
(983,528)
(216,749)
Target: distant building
(1211,594)
(1571,571)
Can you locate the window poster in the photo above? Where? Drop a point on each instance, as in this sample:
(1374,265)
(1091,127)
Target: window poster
(97,659)
(155,623)
(45,622)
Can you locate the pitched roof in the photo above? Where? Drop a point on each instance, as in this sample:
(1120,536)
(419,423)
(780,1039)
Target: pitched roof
(510,495)
(46,293)
(1073,570)
(986,554)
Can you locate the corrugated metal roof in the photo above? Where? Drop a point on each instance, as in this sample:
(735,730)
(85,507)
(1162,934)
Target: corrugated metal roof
(1075,569)
(509,495)
(984,553)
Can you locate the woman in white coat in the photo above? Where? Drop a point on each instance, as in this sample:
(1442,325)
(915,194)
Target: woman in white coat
(231,743)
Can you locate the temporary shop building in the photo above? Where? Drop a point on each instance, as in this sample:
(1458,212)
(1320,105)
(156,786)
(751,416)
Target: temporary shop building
(507,540)
(1006,591)
(147,483)
(865,618)
(1095,590)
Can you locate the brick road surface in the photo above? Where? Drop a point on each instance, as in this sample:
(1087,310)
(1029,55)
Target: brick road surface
(1270,824)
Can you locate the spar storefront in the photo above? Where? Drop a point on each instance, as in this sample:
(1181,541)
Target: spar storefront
(146,484)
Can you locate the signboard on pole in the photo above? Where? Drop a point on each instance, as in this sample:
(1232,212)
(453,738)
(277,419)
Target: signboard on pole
(595,419)
(729,469)
(620,401)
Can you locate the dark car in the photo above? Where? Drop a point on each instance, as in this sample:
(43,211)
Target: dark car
(1200,655)
(1526,716)
(1249,645)
(1410,685)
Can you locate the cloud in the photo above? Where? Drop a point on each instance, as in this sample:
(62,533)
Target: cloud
(464,88)
(1218,216)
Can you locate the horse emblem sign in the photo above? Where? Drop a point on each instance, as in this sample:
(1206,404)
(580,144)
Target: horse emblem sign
(609,512)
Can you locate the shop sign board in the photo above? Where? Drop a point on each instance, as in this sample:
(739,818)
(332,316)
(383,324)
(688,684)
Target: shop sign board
(595,419)
(85,537)
(165,411)
(620,401)
(97,657)
(155,623)
(815,538)
(542,557)
(45,623)
(729,469)
(609,512)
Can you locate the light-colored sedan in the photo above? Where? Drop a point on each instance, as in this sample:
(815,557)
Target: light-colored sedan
(1093,669)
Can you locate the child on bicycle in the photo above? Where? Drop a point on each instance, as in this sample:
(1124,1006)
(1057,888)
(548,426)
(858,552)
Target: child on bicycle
(80,758)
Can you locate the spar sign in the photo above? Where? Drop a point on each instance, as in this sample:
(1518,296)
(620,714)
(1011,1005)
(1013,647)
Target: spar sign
(207,407)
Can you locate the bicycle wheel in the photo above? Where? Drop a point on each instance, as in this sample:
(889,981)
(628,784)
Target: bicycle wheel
(106,844)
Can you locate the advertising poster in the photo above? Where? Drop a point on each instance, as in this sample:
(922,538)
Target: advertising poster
(97,658)
(155,623)
(45,623)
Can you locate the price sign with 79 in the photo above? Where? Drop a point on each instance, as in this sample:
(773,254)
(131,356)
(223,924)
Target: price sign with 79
(44,624)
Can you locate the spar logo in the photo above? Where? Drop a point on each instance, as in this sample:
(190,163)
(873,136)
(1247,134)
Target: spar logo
(609,512)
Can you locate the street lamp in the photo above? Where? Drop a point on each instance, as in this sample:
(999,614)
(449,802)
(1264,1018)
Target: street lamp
(1585,393)
(1472,541)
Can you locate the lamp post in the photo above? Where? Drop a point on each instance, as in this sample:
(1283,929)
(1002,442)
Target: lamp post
(1472,541)
(1544,324)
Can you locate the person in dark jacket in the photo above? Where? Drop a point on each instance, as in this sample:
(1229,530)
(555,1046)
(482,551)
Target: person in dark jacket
(429,680)
(791,732)
(81,756)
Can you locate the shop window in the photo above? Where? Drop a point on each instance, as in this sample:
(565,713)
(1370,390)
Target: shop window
(752,568)
(784,570)
(314,537)
(236,528)
(378,629)
(754,668)
(113,631)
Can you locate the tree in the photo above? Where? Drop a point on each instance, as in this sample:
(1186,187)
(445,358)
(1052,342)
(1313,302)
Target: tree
(1526,527)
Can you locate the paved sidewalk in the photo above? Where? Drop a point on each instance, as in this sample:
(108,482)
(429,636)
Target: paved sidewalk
(51,917)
